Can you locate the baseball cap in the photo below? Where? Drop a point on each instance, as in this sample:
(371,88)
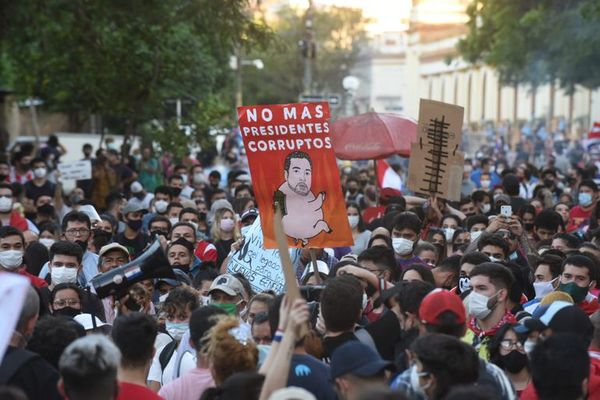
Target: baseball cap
(229,285)
(438,301)
(111,247)
(358,359)
(322,267)
(251,212)
(136,187)
(386,193)
(556,296)
(292,393)
(180,277)
(133,206)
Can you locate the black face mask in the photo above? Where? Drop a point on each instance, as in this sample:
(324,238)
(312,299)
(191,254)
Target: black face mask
(68,312)
(528,227)
(3,177)
(158,233)
(132,305)
(136,225)
(82,244)
(46,209)
(514,361)
(548,183)
(175,191)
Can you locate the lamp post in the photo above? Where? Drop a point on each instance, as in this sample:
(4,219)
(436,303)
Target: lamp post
(350,84)
(236,63)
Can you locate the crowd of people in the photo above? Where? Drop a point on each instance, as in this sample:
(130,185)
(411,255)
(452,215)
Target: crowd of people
(490,297)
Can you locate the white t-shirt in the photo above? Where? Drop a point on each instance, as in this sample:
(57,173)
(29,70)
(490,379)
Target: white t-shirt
(188,362)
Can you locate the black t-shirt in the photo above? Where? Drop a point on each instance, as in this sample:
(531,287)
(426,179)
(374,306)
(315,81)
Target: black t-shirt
(135,246)
(332,343)
(37,378)
(311,374)
(385,333)
(223,249)
(32,191)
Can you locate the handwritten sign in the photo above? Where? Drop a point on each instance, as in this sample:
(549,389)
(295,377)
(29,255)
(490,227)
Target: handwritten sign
(293,164)
(436,163)
(261,267)
(78,170)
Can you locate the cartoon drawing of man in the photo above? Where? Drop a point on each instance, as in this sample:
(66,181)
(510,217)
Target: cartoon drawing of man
(302,211)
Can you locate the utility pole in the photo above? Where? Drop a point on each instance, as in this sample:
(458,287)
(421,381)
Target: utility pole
(308,48)
(238,76)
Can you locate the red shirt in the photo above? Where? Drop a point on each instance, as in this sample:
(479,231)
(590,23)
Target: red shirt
(372,213)
(206,251)
(34,280)
(577,217)
(17,221)
(131,391)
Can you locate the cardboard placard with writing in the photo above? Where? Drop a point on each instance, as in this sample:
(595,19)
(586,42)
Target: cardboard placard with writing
(292,163)
(436,163)
(78,170)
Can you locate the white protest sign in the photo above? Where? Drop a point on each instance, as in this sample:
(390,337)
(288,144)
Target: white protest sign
(261,267)
(13,288)
(76,171)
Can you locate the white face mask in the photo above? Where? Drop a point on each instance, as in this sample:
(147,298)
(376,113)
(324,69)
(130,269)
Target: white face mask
(475,235)
(543,288)
(205,300)
(161,206)
(40,172)
(496,260)
(63,275)
(477,305)
(173,220)
(5,204)
(199,178)
(402,246)
(485,184)
(177,329)
(415,382)
(162,297)
(449,234)
(185,179)
(48,242)
(528,346)
(486,208)
(11,259)
(353,221)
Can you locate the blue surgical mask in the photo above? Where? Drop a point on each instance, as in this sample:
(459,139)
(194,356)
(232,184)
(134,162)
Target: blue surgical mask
(585,199)
(177,329)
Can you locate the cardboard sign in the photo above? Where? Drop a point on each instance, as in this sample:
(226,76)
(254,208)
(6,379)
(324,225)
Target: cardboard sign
(436,163)
(261,267)
(13,289)
(78,170)
(292,163)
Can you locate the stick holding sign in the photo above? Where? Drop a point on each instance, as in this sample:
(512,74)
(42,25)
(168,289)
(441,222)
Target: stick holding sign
(291,283)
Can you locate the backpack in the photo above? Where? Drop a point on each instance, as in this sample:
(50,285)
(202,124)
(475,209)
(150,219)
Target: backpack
(166,354)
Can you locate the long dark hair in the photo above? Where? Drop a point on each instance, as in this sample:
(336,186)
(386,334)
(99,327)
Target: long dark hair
(361,224)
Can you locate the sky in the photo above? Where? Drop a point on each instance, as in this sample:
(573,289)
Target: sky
(393,15)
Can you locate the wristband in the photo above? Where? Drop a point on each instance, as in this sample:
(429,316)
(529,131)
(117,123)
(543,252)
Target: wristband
(278,337)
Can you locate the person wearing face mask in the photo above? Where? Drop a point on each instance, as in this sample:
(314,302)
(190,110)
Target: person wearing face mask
(228,293)
(44,386)
(12,245)
(467,186)
(185,230)
(449,225)
(45,210)
(360,234)
(8,216)
(21,171)
(482,202)
(224,232)
(198,181)
(487,304)
(484,177)
(65,267)
(467,263)
(65,300)
(180,254)
(176,184)
(178,307)
(353,194)
(587,198)
(476,225)
(442,312)
(159,204)
(579,275)
(405,235)
(139,196)
(76,228)
(507,352)
(39,185)
(133,238)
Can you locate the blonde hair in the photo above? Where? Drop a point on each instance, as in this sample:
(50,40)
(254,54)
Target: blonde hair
(215,230)
(226,354)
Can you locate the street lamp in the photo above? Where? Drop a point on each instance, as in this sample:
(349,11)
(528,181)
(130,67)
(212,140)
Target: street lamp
(236,63)
(350,84)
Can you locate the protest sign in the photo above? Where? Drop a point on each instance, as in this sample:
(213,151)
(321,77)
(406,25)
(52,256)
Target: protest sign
(261,267)
(13,289)
(436,163)
(292,163)
(76,171)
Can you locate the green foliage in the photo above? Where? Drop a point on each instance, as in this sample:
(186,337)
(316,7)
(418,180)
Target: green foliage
(535,42)
(123,59)
(339,34)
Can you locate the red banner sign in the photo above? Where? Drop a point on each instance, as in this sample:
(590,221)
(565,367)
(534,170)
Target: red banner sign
(292,163)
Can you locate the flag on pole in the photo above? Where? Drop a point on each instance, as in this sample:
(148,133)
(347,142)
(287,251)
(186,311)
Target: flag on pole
(387,177)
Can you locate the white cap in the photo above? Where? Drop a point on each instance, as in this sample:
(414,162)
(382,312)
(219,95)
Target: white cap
(322,267)
(85,320)
(136,187)
(292,393)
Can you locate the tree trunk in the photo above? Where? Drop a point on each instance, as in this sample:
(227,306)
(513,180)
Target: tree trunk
(533,99)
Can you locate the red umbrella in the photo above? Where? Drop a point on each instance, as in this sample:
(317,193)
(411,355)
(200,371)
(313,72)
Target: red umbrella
(373,136)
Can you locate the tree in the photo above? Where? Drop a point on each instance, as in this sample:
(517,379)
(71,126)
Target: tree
(339,35)
(123,59)
(535,42)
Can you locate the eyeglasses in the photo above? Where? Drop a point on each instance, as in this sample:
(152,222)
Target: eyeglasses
(508,344)
(66,302)
(77,232)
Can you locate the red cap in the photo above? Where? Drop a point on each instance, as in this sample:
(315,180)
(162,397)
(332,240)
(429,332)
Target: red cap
(386,193)
(438,301)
